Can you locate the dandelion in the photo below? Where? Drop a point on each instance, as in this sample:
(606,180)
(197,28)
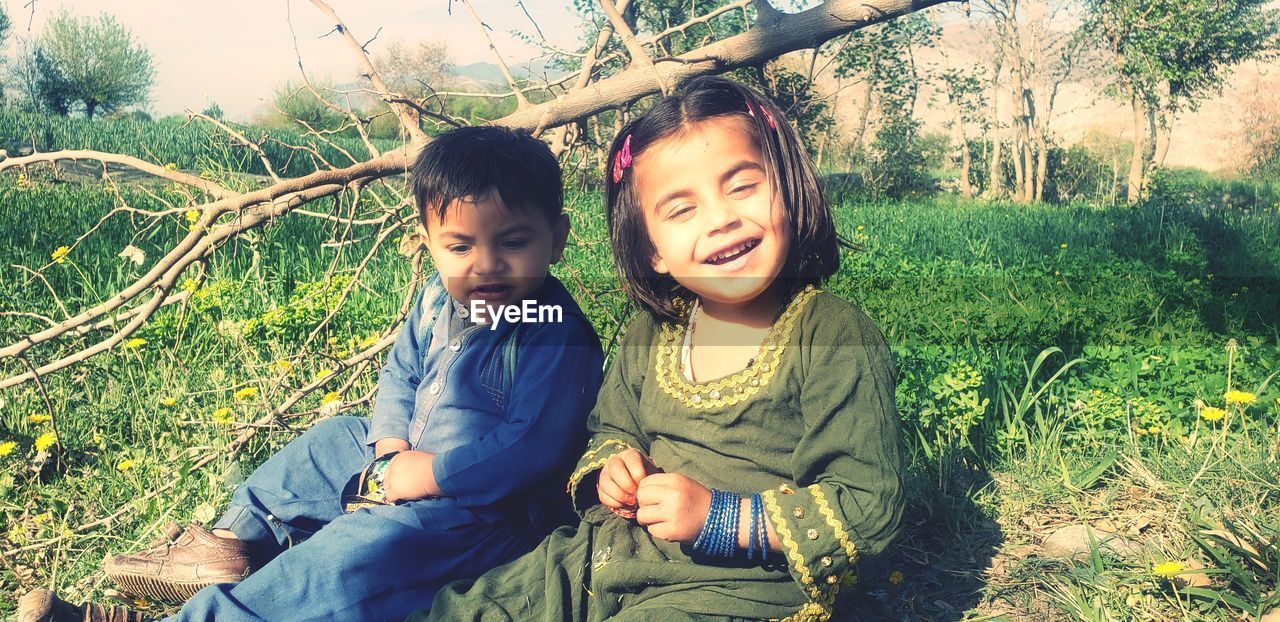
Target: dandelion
(1167,570)
(367,342)
(7,448)
(895,577)
(1211,413)
(330,403)
(193,215)
(45,441)
(125,465)
(40,418)
(168,402)
(1243,398)
(171,167)
(60,254)
(246,393)
(1063,246)
(135,343)
(860,227)
(223,415)
(189,285)
(284,367)
(134,254)
(324,373)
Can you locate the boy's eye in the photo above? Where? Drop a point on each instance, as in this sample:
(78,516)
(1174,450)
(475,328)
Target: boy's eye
(515,244)
(459,249)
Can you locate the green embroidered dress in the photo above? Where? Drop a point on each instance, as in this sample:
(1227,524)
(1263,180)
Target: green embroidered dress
(810,422)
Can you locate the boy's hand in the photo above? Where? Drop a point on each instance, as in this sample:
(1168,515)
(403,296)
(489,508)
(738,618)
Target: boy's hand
(410,476)
(619,480)
(673,507)
(388,445)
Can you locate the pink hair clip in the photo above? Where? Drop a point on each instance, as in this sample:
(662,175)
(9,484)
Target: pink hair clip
(622,159)
(765,111)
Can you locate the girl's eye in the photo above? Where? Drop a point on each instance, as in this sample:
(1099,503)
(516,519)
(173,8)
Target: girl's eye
(743,190)
(515,245)
(459,249)
(679,211)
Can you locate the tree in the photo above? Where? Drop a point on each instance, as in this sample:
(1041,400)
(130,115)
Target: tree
(5,25)
(1168,55)
(91,61)
(415,69)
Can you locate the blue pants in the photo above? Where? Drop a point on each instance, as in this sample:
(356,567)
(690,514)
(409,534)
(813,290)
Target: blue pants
(374,564)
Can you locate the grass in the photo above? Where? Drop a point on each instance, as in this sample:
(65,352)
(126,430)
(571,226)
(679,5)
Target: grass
(1054,365)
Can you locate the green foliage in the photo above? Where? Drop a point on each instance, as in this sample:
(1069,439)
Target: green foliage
(94,62)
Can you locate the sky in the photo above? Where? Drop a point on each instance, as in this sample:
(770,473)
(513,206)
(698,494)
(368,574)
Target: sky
(236,52)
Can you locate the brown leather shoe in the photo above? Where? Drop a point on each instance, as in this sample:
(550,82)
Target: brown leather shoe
(45,606)
(181,563)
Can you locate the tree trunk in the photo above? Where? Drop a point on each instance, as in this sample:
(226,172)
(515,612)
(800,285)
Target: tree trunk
(1143,145)
(995,186)
(90,107)
(860,130)
(1042,167)
(966,163)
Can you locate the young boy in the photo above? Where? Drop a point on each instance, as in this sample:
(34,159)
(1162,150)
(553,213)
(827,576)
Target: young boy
(477,409)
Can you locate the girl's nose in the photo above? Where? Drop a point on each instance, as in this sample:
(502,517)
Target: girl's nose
(721,216)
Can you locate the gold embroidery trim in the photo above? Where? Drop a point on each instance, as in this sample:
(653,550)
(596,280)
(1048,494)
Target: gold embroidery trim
(789,544)
(595,464)
(735,388)
(811,612)
(836,526)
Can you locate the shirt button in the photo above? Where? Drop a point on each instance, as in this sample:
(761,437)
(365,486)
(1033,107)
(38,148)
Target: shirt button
(435,388)
(464,312)
(456,345)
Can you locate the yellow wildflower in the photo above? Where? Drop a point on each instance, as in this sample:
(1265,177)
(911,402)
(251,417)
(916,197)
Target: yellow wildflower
(171,167)
(60,254)
(1167,570)
(126,464)
(331,403)
(247,393)
(42,518)
(330,397)
(223,415)
(40,418)
(7,447)
(193,215)
(368,342)
(324,373)
(860,227)
(1243,398)
(135,343)
(168,402)
(895,577)
(189,284)
(1063,246)
(45,441)
(283,366)
(1211,413)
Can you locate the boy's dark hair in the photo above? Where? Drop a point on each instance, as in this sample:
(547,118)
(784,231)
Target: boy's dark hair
(474,161)
(814,253)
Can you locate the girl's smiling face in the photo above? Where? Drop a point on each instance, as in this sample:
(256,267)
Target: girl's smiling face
(710,211)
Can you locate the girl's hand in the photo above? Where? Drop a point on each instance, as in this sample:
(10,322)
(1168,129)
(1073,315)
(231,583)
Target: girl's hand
(619,480)
(673,507)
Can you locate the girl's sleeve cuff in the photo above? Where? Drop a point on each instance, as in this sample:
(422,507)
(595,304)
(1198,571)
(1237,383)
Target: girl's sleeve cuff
(599,450)
(819,549)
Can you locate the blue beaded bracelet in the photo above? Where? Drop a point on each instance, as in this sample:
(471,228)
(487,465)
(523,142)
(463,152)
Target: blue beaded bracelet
(719,535)
(757,508)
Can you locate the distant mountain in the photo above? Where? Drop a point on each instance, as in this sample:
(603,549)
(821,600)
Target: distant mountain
(535,69)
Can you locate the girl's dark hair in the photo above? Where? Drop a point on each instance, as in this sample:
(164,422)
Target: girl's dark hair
(477,160)
(814,253)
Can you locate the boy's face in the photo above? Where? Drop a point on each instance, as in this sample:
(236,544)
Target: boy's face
(485,251)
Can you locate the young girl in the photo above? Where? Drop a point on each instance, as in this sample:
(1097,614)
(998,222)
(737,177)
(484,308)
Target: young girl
(745,445)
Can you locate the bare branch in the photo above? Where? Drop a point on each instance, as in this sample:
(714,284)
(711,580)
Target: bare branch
(637,51)
(187,179)
(408,117)
(521,102)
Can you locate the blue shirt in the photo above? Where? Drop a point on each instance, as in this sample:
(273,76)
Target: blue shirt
(445,389)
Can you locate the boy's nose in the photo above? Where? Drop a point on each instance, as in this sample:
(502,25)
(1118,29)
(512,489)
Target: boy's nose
(488,262)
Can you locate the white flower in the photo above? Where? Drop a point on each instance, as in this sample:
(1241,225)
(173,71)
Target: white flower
(134,254)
